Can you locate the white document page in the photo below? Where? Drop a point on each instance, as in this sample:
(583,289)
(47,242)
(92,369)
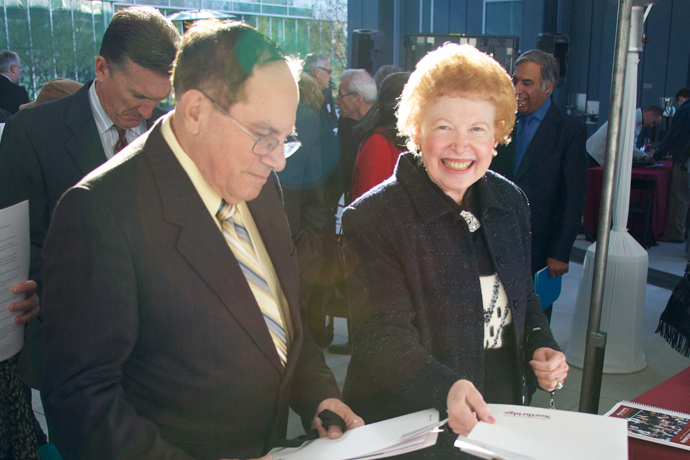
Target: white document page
(545,434)
(14,268)
(378,440)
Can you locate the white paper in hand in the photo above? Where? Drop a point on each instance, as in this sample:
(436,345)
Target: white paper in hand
(383,439)
(522,433)
(14,267)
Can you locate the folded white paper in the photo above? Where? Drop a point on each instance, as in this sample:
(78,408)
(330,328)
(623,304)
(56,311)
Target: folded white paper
(383,439)
(532,433)
(14,268)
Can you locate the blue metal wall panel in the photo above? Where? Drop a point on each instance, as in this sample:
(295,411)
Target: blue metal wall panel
(457,17)
(600,81)
(441,13)
(532,23)
(596,49)
(354,22)
(370,15)
(654,60)
(580,25)
(386,14)
(589,24)
(678,48)
(475,16)
(412,14)
(426,16)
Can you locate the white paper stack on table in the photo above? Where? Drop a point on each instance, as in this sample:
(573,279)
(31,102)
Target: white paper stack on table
(395,436)
(532,433)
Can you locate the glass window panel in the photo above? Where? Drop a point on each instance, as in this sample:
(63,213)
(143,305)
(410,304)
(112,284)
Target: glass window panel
(248,7)
(85,42)
(270,9)
(43,66)
(303,12)
(61,38)
(503,18)
(178,3)
(289,45)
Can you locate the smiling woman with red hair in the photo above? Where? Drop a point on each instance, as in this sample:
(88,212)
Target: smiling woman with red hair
(442,299)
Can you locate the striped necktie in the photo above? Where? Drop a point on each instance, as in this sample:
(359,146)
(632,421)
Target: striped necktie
(238,239)
(121,139)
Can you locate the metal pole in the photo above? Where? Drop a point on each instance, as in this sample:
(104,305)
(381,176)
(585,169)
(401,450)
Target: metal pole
(592,369)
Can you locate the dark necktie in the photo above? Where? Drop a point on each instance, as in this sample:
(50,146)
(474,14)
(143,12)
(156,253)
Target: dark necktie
(522,138)
(121,139)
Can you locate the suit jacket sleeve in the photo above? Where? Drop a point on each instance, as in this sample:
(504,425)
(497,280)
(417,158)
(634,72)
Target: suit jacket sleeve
(314,381)
(675,130)
(21,178)
(90,276)
(573,193)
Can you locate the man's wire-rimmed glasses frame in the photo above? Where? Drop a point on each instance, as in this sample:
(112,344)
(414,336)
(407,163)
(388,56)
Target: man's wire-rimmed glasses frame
(263,145)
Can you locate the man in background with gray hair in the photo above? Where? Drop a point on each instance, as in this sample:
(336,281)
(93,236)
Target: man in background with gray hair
(11,94)
(356,98)
(318,66)
(548,161)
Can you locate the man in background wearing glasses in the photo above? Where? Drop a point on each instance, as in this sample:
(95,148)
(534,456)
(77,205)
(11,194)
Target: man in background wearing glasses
(318,66)
(356,98)
(172,292)
(11,94)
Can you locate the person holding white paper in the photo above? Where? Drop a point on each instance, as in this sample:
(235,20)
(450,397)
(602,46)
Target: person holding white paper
(28,308)
(442,303)
(172,311)
(18,425)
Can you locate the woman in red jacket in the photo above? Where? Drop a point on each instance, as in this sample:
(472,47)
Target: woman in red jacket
(380,144)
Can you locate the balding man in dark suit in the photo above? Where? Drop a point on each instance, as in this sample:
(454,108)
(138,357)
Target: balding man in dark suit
(172,311)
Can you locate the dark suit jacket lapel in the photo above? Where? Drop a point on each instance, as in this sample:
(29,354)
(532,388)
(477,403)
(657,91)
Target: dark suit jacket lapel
(85,146)
(541,142)
(202,244)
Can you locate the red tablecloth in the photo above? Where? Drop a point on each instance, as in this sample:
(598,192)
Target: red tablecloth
(662,178)
(672,394)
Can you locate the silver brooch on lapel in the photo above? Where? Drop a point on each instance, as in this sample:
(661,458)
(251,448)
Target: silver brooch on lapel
(472,222)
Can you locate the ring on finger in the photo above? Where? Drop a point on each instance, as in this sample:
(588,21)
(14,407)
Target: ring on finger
(559,384)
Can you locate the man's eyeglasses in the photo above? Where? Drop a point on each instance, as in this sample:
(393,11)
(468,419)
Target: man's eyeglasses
(328,71)
(343,96)
(264,144)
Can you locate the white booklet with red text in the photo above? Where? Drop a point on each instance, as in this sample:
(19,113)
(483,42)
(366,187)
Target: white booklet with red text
(534,433)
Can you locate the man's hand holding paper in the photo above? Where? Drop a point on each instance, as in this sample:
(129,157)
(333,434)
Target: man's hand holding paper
(29,306)
(343,410)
